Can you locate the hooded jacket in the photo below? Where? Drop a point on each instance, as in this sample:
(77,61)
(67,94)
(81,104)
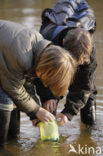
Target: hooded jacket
(67,14)
(64,16)
(20,50)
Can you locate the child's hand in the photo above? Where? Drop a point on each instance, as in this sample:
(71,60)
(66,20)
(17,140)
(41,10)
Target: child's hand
(63,119)
(50,105)
(44,115)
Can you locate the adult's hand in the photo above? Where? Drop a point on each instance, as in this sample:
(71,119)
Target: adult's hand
(44,116)
(63,119)
(50,105)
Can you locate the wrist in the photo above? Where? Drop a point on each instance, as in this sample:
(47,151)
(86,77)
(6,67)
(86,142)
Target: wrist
(68,115)
(32,114)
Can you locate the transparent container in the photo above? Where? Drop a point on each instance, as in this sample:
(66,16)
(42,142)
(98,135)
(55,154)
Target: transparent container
(49,131)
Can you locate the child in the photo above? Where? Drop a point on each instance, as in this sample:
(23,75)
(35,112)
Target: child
(71,24)
(24,53)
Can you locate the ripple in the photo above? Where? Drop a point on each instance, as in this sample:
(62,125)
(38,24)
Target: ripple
(99,101)
(99,95)
(100,87)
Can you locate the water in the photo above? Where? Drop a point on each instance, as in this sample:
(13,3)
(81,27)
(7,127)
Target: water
(27,12)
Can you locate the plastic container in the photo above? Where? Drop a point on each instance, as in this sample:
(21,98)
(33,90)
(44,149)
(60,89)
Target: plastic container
(49,131)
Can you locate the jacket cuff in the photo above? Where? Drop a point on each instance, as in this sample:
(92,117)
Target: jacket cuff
(32,115)
(69,115)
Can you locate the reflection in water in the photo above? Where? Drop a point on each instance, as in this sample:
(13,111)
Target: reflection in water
(28,143)
(24,11)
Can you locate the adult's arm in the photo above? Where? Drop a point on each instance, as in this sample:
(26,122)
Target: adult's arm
(18,45)
(14,86)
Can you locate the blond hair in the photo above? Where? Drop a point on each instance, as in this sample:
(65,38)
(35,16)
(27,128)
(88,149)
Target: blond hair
(79,42)
(57,68)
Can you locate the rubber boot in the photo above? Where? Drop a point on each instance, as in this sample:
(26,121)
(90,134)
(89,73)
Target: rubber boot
(5,152)
(4,126)
(14,126)
(88,113)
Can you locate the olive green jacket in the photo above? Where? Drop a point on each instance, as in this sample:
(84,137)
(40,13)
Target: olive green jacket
(20,49)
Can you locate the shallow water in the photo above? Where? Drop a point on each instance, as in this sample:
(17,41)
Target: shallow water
(27,12)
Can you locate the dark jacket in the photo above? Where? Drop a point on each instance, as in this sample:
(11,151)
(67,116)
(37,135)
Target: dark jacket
(67,14)
(55,24)
(82,87)
(20,50)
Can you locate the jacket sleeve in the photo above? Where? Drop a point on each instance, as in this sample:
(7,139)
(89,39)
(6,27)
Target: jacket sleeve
(13,84)
(81,88)
(19,53)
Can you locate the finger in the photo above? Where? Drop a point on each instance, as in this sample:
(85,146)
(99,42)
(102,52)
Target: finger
(51,117)
(45,106)
(51,108)
(65,119)
(54,106)
(45,119)
(48,107)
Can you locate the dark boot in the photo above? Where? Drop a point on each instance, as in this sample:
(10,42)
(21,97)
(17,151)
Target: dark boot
(4,152)
(88,113)
(4,126)
(14,127)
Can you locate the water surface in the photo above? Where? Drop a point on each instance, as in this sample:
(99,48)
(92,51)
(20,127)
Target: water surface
(27,12)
